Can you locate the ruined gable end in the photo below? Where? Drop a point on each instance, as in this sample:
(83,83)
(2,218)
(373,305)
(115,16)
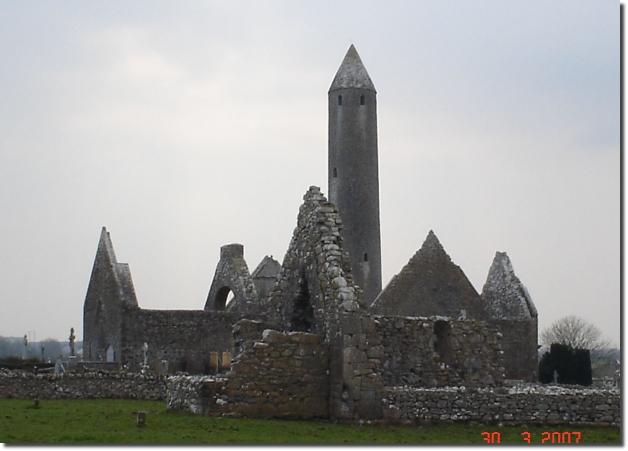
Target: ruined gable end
(265,276)
(232,275)
(430,284)
(109,292)
(315,280)
(510,309)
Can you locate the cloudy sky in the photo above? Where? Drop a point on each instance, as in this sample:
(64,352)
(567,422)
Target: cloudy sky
(182,126)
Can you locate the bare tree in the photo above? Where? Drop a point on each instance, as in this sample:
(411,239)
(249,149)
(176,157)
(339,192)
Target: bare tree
(575,332)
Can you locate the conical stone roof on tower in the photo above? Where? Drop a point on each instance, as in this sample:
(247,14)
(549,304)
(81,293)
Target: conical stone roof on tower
(430,285)
(352,73)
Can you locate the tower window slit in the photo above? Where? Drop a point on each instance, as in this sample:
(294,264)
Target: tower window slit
(335,172)
(366,257)
(362,100)
(339,100)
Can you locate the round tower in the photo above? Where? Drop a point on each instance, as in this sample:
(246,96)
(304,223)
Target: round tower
(353,170)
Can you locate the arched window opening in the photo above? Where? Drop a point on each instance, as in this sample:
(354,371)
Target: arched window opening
(110,354)
(442,340)
(335,172)
(302,314)
(362,100)
(223,298)
(340,100)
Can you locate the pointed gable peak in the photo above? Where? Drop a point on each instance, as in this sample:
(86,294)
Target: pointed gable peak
(430,284)
(352,73)
(268,267)
(432,247)
(504,294)
(502,264)
(502,267)
(106,247)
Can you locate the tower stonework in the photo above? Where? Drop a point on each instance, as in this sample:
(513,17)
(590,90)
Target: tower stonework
(353,169)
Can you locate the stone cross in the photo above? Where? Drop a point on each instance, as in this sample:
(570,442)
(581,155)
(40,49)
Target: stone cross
(25,347)
(72,338)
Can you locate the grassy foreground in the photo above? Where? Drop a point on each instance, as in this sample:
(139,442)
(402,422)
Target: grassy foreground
(113,421)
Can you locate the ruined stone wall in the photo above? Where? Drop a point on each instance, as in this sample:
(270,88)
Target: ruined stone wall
(516,405)
(519,339)
(316,292)
(315,279)
(195,394)
(184,338)
(92,385)
(432,352)
(282,375)
(232,275)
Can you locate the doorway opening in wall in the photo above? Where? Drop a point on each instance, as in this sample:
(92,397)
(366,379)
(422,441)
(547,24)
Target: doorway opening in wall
(302,313)
(223,298)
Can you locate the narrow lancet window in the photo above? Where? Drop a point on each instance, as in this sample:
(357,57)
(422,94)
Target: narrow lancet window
(362,100)
(339,100)
(366,257)
(335,172)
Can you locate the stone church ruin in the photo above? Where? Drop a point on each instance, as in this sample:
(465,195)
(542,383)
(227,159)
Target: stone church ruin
(316,336)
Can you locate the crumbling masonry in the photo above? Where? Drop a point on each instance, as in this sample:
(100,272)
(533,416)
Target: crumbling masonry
(315,336)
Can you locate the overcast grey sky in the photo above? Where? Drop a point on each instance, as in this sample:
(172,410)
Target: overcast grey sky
(182,126)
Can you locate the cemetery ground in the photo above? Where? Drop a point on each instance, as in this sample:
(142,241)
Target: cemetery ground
(114,422)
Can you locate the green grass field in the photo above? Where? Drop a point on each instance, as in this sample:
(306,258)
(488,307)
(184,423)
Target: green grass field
(113,422)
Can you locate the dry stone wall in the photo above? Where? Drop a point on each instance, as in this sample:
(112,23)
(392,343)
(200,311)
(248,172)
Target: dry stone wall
(282,375)
(196,394)
(91,385)
(532,404)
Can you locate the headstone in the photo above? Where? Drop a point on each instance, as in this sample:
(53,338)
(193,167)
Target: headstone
(59,368)
(555,377)
(141,418)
